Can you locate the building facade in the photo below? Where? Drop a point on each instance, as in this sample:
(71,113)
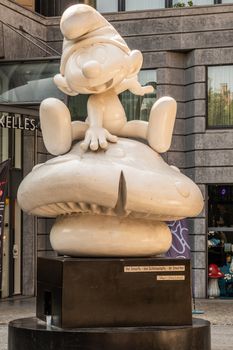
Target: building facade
(188,53)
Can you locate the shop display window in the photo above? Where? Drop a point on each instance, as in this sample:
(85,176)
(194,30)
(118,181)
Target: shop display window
(220,206)
(220,235)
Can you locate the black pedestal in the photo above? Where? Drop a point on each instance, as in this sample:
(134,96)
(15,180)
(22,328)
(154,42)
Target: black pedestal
(114,292)
(32,334)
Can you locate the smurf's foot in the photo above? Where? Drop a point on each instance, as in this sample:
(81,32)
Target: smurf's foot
(161,124)
(56,126)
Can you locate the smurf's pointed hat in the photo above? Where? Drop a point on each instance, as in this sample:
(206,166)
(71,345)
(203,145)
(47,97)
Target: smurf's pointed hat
(82,25)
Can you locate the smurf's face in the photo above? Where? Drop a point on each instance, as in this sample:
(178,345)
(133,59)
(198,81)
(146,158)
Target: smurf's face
(98,67)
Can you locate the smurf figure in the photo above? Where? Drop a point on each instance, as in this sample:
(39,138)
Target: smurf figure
(97,61)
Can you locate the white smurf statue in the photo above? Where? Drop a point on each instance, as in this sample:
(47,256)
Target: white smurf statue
(111,197)
(97,61)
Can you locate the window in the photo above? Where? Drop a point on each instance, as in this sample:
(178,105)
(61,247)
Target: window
(78,107)
(195,2)
(131,5)
(136,107)
(11,141)
(220,235)
(4,143)
(57,7)
(28,82)
(107,6)
(220,206)
(220,96)
(28,4)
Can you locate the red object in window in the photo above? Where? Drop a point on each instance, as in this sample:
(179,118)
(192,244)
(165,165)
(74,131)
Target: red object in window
(214,271)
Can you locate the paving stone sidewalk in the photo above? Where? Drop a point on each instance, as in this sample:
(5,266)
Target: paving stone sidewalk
(13,309)
(218,312)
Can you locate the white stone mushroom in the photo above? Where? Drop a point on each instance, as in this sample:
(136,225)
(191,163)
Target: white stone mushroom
(112,202)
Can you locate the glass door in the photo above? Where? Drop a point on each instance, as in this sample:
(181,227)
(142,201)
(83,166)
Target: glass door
(220,238)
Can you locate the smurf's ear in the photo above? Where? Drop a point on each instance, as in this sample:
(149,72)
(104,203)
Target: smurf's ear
(61,83)
(135,62)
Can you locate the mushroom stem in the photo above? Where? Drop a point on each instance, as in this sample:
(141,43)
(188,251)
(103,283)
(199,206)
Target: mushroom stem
(109,236)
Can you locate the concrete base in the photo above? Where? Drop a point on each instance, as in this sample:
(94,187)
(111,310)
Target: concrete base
(113,292)
(33,334)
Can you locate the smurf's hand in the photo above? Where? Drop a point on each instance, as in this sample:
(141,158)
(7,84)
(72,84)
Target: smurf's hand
(147,89)
(135,87)
(96,137)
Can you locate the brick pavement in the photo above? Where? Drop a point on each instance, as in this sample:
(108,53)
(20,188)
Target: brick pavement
(218,312)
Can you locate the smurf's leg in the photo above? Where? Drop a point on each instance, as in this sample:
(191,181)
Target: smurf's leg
(56,126)
(161,124)
(79,130)
(134,128)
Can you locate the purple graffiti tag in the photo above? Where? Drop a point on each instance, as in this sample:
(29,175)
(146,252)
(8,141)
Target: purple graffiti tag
(180,247)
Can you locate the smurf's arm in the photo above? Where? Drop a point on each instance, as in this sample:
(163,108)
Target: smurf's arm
(133,85)
(95,111)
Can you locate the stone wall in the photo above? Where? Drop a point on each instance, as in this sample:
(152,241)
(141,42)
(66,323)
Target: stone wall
(43,226)
(14,46)
(28,236)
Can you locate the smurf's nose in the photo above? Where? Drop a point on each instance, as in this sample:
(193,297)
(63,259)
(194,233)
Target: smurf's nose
(91,69)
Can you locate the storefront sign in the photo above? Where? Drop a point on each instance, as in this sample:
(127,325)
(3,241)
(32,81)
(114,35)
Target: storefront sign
(4,169)
(14,121)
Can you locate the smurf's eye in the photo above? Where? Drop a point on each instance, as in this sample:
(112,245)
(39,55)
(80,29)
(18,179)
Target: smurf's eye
(99,54)
(81,58)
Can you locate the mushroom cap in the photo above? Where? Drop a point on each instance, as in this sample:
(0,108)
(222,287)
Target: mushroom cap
(128,179)
(214,271)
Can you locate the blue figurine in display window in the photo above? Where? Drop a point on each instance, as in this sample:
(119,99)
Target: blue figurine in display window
(226,283)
